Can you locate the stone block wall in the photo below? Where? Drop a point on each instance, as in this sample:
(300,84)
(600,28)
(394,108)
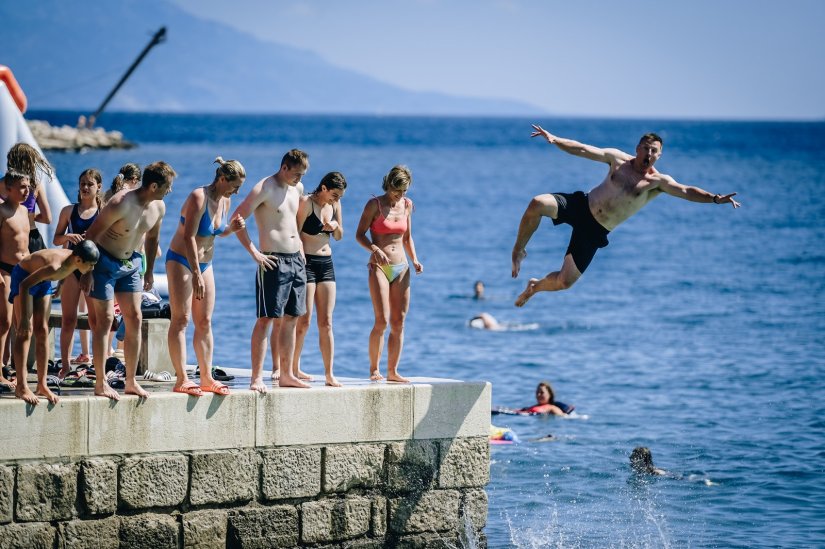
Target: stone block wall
(411,493)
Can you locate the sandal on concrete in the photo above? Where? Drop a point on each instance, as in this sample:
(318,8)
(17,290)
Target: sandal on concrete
(216,387)
(189,388)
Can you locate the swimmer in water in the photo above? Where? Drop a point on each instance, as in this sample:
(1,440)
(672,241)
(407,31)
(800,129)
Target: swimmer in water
(545,401)
(485,321)
(641,461)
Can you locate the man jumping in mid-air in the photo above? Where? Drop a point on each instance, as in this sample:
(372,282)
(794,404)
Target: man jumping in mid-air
(631,183)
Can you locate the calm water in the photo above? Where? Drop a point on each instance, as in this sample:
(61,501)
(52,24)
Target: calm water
(698,332)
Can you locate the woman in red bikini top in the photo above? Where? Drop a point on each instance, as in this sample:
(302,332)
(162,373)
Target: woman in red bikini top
(389,221)
(546,402)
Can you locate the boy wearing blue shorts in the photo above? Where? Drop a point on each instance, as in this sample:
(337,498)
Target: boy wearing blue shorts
(30,292)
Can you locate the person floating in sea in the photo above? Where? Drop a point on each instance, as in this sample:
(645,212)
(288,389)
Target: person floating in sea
(546,402)
(320,218)
(478,290)
(31,294)
(641,461)
(389,272)
(127,219)
(280,285)
(189,272)
(630,184)
(485,321)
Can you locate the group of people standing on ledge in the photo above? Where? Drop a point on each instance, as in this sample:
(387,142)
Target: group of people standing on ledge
(109,245)
(110,248)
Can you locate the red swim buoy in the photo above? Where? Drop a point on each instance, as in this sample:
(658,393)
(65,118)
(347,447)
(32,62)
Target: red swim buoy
(15,90)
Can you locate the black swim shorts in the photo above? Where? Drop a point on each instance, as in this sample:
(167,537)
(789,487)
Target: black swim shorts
(588,235)
(320,269)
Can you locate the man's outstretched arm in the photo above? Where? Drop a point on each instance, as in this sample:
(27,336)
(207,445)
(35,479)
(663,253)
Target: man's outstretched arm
(608,156)
(668,185)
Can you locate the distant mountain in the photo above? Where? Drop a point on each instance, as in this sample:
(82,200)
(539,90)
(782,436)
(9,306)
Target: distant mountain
(68,55)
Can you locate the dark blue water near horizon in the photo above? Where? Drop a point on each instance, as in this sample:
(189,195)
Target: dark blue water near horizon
(697,332)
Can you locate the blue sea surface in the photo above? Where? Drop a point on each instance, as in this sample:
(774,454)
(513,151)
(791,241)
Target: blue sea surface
(698,332)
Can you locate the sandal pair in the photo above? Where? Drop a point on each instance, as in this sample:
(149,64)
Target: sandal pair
(191,388)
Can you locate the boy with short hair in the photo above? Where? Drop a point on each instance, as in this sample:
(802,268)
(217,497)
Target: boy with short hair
(30,292)
(14,246)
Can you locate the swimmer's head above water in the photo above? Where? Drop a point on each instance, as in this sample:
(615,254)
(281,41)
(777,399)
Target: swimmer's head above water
(544,393)
(641,461)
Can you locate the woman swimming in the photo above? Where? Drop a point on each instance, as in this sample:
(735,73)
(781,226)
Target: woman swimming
(189,273)
(389,221)
(319,216)
(71,227)
(545,401)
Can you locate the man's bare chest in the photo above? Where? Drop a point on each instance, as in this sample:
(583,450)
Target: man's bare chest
(15,226)
(137,222)
(630,184)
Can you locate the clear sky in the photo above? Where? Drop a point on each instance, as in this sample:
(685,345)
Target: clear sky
(626,58)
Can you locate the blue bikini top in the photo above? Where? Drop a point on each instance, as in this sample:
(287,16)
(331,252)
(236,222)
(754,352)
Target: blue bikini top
(205,227)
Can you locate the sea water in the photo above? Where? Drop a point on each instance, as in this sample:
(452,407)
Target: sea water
(698,332)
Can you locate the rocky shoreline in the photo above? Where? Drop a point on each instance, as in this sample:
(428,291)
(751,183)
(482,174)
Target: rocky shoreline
(68,138)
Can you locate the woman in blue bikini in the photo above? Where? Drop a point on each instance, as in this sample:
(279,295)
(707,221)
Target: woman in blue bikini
(389,220)
(319,217)
(189,273)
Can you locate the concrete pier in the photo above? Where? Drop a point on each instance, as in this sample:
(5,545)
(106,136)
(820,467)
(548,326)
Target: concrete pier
(365,465)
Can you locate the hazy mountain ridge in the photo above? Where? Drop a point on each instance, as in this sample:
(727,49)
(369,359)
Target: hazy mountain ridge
(69,55)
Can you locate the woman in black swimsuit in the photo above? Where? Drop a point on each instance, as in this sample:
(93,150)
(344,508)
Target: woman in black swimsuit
(319,216)
(72,224)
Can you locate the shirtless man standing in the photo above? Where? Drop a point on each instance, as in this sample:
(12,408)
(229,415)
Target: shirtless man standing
(280,286)
(117,231)
(631,183)
(14,246)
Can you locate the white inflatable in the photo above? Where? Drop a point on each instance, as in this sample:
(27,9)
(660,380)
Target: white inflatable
(13,129)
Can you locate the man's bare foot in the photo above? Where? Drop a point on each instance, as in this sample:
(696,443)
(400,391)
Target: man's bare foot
(11,383)
(134,389)
(395,378)
(332,382)
(303,375)
(46,392)
(107,392)
(528,292)
(24,393)
(376,376)
(276,374)
(518,256)
(292,381)
(258,385)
